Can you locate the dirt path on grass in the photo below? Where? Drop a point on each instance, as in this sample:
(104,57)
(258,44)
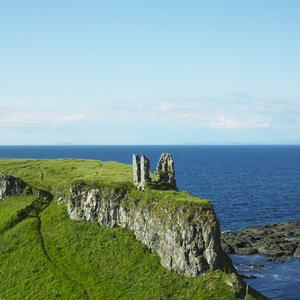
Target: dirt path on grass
(33,210)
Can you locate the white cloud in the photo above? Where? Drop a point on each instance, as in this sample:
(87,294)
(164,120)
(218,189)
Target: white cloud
(223,122)
(164,106)
(39,118)
(215,113)
(263,125)
(88,109)
(66,118)
(220,113)
(227,123)
(18,118)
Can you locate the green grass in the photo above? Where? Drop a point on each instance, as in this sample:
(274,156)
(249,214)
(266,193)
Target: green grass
(90,262)
(45,255)
(51,174)
(117,264)
(9,209)
(25,271)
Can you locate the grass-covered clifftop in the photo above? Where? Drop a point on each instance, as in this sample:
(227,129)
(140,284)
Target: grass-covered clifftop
(45,255)
(52,174)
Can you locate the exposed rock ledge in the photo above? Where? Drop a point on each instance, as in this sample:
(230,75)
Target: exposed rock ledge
(11,186)
(280,239)
(186,238)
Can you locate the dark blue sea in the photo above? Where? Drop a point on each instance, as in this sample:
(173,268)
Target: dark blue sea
(248,185)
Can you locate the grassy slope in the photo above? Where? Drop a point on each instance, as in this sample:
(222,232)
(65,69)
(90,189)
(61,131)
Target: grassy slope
(10,208)
(48,256)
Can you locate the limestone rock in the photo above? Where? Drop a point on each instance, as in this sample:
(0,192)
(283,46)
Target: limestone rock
(11,186)
(235,285)
(187,239)
(165,170)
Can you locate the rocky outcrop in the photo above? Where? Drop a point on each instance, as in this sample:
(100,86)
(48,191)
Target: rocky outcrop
(140,171)
(186,238)
(280,239)
(11,186)
(165,170)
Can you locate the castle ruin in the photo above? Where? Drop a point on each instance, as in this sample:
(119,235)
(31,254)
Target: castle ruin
(141,171)
(164,171)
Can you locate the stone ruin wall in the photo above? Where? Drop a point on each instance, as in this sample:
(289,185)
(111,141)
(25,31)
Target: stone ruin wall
(164,170)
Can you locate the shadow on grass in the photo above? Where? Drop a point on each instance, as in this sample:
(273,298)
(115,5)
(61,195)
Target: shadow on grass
(159,186)
(42,201)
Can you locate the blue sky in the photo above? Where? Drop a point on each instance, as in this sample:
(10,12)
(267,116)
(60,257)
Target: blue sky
(149,72)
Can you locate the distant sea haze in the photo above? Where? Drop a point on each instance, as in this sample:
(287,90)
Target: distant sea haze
(247,184)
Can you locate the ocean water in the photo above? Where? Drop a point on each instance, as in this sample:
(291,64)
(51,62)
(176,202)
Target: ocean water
(248,185)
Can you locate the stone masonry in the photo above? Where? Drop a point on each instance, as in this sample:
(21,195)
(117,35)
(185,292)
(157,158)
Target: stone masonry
(136,169)
(141,171)
(164,170)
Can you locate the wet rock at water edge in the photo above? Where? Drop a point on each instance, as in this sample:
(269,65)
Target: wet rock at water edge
(248,276)
(289,258)
(275,259)
(273,239)
(253,265)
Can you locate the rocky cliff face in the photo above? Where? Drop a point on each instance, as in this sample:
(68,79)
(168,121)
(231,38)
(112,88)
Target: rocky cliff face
(10,186)
(186,238)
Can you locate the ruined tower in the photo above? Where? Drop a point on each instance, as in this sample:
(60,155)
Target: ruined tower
(140,171)
(165,170)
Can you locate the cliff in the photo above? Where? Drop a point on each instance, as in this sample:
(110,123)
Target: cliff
(100,262)
(186,238)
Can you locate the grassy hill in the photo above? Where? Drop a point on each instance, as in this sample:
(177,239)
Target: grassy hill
(45,255)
